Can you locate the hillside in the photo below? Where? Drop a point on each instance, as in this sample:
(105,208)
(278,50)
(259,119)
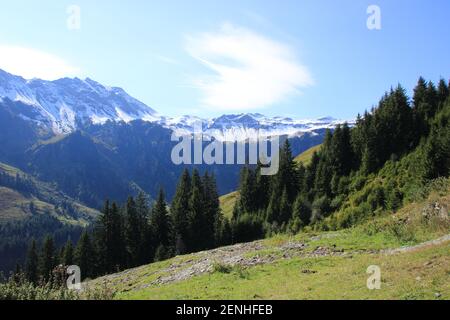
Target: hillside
(305,157)
(227,203)
(311,265)
(22,196)
(32,209)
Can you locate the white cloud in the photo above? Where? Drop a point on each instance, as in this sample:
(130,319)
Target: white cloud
(249,70)
(31,63)
(167,60)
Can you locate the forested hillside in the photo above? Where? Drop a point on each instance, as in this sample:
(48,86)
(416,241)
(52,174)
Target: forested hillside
(373,168)
(31,209)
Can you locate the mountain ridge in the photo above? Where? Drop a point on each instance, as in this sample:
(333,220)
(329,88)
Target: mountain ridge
(68,104)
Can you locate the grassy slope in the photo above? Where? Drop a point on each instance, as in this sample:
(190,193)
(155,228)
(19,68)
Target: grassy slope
(227,201)
(15,205)
(416,275)
(306,156)
(289,272)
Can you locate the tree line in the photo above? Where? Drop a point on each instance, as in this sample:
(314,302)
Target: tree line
(137,233)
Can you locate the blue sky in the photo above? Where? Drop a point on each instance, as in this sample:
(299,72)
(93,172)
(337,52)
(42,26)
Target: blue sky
(291,58)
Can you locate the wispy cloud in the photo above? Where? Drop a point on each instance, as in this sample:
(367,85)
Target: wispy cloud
(31,63)
(249,70)
(167,59)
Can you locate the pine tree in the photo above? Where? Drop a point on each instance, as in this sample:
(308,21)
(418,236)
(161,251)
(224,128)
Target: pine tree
(160,222)
(273,209)
(212,210)
(146,244)
(31,268)
(133,233)
(85,255)
(110,240)
(437,148)
(311,171)
(180,211)
(67,258)
(287,172)
(117,246)
(47,259)
(247,191)
(302,210)
(285,208)
(425,103)
(442,93)
(262,189)
(197,223)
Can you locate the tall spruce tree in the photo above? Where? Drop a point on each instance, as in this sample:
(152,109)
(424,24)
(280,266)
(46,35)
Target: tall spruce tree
(67,257)
(161,224)
(85,256)
(247,191)
(212,210)
(197,221)
(31,267)
(443,93)
(133,233)
(180,211)
(110,239)
(47,259)
(146,247)
(302,210)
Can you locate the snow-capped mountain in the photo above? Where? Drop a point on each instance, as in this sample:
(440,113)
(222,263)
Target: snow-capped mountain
(67,104)
(248,125)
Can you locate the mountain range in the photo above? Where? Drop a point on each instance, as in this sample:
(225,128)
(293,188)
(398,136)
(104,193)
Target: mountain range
(66,105)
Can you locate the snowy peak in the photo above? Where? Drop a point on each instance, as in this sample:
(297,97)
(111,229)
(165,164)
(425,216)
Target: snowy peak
(67,103)
(249,125)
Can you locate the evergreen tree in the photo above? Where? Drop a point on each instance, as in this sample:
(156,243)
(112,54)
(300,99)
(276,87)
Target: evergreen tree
(133,233)
(442,93)
(146,247)
(302,210)
(247,191)
(273,209)
(31,268)
(324,169)
(285,208)
(437,148)
(262,189)
(110,240)
(287,172)
(47,259)
(85,255)
(212,210)
(180,211)
(67,258)
(311,171)
(425,103)
(197,223)
(161,224)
